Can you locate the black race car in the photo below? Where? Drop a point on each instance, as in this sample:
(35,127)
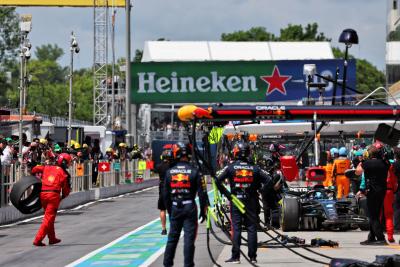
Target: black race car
(318,208)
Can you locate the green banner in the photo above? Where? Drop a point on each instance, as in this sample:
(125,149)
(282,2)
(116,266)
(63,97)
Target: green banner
(117,166)
(200,82)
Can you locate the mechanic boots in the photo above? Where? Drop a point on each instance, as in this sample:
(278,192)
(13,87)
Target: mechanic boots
(39,244)
(232,260)
(54,241)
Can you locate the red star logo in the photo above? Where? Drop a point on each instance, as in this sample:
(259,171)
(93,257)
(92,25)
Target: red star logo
(276,81)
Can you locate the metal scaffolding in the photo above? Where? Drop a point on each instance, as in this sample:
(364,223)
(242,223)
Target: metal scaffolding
(100,82)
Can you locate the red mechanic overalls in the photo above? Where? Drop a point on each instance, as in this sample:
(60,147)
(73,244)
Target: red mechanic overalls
(388,202)
(54,181)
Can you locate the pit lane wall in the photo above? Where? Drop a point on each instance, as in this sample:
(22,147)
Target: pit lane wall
(123,177)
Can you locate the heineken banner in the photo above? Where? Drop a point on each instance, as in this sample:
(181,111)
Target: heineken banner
(231,81)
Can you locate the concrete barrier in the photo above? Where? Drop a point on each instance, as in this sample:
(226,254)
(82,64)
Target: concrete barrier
(10,214)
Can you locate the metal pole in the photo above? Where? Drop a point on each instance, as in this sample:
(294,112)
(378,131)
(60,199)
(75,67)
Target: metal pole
(70,92)
(335,86)
(113,68)
(308,89)
(344,75)
(131,129)
(21,99)
(316,144)
(25,87)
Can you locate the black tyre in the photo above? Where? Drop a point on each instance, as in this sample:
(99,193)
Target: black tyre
(363,211)
(275,218)
(25,195)
(290,213)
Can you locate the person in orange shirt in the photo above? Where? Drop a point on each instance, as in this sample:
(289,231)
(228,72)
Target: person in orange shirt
(328,169)
(340,165)
(55,181)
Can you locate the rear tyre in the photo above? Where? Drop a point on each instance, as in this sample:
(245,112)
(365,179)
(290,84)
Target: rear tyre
(363,211)
(25,195)
(275,218)
(290,212)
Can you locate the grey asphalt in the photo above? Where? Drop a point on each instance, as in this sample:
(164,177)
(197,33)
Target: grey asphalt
(349,247)
(94,226)
(81,231)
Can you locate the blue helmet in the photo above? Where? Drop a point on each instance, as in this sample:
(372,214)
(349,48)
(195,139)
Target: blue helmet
(334,151)
(342,151)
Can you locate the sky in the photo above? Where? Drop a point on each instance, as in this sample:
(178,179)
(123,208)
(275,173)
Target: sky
(206,20)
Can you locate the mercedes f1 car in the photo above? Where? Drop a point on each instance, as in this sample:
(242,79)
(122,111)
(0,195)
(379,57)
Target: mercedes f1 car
(317,208)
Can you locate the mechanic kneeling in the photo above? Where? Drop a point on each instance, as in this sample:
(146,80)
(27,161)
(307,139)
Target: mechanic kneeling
(55,180)
(181,184)
(245,179)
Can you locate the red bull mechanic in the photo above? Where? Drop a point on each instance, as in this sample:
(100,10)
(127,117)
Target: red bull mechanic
(182,182)
(245,180)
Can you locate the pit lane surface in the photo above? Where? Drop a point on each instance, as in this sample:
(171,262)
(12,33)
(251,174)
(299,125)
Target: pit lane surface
(132,217)
(92,227)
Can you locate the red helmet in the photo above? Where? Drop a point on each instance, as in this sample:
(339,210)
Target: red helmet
(64,158)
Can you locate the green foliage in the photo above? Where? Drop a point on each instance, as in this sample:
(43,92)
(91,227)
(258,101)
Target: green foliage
(297,33)
(290,33)
(9,43)
(48,89)
(83,94)
(9,34)
(254,34)
(48,52)
(138,55)
(368,76)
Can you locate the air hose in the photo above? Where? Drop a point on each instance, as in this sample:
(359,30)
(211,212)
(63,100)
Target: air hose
(242,208)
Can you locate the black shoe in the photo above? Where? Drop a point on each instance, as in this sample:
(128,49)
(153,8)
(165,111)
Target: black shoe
(253,260)
(233,260)
(380,243)
(367,242)
(374,243)
(164,232)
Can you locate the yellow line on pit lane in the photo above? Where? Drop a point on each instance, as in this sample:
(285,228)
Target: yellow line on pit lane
(327,247)
(394,246)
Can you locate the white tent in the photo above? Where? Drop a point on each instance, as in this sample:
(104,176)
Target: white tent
(164,51)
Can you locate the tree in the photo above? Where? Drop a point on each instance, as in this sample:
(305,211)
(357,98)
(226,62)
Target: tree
(138,55)
(368,76)
(297,33)
(290,33)
(254,34)
(48,89)
(9,34)
(9,42)
(48,52)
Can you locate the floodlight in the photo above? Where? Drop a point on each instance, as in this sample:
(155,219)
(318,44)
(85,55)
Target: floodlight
(26,23)
(309,69)
(348,37)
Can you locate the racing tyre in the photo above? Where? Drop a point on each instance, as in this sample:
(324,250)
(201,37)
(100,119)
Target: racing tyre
(290,214)
(25,195)
(363,211)
(275,218)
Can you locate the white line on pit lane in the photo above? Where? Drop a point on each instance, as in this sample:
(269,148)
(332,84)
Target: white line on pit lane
(147,263)
(79,207)
(89,255)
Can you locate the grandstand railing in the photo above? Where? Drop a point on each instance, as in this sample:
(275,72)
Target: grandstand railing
(83,176)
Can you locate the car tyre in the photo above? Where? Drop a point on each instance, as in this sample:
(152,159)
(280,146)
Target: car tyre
(25,194)
(363,211)
(290,213)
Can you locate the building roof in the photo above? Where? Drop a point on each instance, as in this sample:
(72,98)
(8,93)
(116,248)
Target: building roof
(164,51)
